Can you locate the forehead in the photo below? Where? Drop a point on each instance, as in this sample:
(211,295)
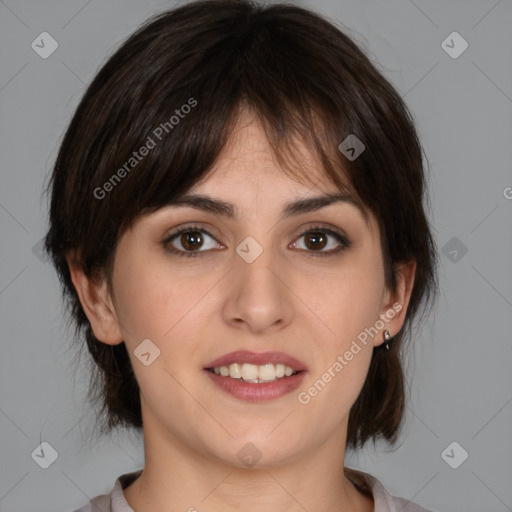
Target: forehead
(248,159)
(247,177)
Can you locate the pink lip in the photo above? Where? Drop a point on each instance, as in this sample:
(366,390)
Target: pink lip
(244,356)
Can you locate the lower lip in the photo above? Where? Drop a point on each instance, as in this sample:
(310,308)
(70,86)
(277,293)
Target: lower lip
(252,392)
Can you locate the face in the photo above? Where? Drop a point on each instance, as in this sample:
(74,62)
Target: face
(305,285)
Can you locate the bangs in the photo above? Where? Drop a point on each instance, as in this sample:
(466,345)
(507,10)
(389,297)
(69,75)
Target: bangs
(170,171)
(185,124)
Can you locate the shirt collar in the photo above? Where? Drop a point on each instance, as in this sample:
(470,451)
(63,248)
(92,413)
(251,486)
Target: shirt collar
(366,483)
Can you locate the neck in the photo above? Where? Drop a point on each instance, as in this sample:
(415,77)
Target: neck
(175,477)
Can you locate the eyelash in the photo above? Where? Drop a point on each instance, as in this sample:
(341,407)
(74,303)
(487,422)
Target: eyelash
(345,243)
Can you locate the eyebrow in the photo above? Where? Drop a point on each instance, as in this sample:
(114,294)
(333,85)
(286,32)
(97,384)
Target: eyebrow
(298,207)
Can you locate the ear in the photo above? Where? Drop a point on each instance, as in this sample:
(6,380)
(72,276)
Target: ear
(96,302)
(394,306)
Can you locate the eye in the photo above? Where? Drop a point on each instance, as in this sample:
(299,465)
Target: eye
(318,238)
(193,241)
(189,241)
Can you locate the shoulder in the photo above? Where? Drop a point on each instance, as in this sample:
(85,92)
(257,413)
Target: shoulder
(114,501)
(98,504)
(383,500)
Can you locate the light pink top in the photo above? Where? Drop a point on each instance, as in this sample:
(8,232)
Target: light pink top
(366,483)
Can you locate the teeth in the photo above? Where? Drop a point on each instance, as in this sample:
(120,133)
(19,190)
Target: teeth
(254,373)
(266,372)
(235,370)
(249,371)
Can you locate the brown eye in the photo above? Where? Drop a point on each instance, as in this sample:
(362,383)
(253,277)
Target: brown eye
(192,240)
(315,240)
(321,241)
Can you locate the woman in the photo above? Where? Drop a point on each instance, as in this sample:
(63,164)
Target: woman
(237,219)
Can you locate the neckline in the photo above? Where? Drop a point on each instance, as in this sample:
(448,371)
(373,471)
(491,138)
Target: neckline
(128,478)
(364,482)
(361,480)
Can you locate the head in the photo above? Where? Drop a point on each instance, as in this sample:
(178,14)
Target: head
(246,104)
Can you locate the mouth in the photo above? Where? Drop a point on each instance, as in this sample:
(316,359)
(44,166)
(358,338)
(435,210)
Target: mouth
(256,376)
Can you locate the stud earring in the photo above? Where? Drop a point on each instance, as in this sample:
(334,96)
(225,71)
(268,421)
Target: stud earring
(387,337)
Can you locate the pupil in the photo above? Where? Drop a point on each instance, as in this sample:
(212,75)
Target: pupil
(191,240)
(317,239)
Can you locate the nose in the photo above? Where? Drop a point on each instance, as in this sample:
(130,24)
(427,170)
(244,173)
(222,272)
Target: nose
(258,297)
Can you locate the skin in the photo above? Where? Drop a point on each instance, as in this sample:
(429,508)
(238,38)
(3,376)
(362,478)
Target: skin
(197,309)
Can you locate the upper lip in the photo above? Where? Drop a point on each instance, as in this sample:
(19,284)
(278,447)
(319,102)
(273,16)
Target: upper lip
(244,356)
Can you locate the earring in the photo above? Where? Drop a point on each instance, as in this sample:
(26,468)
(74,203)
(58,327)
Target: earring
(387,337)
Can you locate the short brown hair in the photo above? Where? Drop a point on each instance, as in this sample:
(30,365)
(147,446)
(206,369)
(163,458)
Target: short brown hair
(304,78)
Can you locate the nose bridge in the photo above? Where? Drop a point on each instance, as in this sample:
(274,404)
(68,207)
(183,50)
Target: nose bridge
(258,299)
(253,264)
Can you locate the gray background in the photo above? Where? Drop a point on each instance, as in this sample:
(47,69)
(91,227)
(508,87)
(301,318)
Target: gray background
(461,383)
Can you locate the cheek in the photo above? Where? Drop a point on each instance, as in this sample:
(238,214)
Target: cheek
(349,307)
(154,299)
(340,371)
(143,294)
(352,301)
